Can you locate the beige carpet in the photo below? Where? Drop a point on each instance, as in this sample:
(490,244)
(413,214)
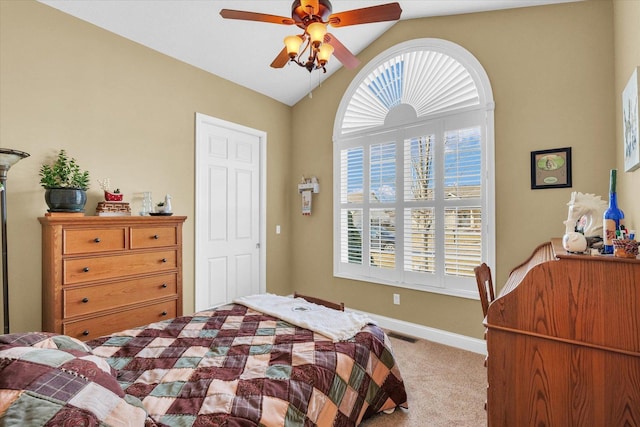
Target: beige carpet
(445,387)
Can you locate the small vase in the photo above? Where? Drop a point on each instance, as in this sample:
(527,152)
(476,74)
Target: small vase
(147,204)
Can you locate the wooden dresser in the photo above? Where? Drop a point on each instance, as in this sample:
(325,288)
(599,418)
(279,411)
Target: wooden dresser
(105,274)
(563,342)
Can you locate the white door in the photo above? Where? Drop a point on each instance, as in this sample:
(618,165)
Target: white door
(229,212)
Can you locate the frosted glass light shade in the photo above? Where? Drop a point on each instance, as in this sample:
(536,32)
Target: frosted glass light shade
(325,52)
(316,32)
(293,45)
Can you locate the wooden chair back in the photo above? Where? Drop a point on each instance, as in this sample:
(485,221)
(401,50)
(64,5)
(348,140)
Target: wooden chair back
(319,301)
(485,286)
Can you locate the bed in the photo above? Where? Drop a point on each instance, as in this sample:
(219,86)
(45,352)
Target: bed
(230,366)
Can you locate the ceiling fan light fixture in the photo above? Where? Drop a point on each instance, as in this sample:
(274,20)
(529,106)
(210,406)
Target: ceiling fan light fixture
(293,45)
(316,31)
(324,54)
(313,16)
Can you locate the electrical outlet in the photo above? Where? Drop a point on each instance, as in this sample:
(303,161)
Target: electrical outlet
(396,299)
(277,229)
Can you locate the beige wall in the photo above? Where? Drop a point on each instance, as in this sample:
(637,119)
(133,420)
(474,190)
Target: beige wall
(626,17)
(125,112)
(551,69)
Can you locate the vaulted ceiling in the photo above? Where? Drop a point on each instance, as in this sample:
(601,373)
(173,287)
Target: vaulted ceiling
(193,31)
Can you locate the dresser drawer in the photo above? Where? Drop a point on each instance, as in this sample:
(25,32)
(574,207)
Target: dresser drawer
(94,240)
(98,326)
(92,299)
(153,237)
(81,270)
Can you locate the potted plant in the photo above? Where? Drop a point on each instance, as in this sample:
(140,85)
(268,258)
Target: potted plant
(65,184)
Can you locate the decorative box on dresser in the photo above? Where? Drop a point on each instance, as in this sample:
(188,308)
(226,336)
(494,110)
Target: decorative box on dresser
(106,274)
(563,342)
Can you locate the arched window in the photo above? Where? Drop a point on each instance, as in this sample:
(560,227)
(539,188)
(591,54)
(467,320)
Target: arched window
(413,170)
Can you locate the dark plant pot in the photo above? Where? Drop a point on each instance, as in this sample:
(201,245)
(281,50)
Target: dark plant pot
(65,199)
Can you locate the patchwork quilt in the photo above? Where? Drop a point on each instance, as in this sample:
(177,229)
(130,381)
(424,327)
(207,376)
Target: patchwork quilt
(52,380)
(235,366)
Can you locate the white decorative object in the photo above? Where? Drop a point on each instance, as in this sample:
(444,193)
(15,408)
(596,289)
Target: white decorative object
(574,242)
(167,203)
(147,203)
(585,214)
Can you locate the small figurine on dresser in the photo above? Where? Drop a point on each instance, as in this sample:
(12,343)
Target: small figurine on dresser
(163,208)
(113,204)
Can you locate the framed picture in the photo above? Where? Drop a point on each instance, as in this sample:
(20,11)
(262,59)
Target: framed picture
(630,120)
(551,168)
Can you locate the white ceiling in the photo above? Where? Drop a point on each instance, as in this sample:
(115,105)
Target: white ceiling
(241,51)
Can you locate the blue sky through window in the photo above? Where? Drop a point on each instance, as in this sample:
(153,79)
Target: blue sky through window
(387,87)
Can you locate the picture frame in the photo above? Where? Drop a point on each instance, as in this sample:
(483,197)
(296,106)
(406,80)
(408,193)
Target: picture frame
(630,120)
(551,168)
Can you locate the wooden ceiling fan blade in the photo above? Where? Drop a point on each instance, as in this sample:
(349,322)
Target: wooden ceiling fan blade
(366,15)
(343,54)
(281,60)
(253,16)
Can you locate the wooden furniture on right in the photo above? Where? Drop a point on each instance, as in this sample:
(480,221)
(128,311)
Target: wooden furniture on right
(320,301)
(485,286)
(563,342)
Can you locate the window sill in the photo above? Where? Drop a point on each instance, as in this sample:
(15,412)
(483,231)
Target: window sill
(460,293)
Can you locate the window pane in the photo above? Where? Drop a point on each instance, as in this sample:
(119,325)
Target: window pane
(418,170)
(351,236)
(383,172)
(419,247)
(462,162)
(382,244)
(462,240)
(352,178)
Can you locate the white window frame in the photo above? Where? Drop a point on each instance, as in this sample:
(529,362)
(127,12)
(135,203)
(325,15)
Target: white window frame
(478,115)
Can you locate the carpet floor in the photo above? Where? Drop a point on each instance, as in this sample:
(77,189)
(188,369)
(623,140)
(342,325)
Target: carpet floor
(445,387)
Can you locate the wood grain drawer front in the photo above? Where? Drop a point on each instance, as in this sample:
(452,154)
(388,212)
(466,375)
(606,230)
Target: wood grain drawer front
(94,240)
(98,326)
(92,299)
(82,270)
(153,237)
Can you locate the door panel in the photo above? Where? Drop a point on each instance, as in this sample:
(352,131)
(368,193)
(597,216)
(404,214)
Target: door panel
(228,258)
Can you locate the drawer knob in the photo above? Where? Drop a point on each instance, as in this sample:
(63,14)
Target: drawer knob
(164,313)
(85,300)
(86,269)
(155,236)
(85,333)
(164,285)
(164,260)
(97,240)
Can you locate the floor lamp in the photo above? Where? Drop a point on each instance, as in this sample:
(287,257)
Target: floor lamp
(7,159)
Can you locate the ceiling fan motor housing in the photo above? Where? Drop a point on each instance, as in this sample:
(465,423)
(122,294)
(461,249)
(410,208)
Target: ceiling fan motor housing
(302,17)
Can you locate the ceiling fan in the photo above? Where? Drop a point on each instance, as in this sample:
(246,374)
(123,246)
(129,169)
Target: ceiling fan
(313,16)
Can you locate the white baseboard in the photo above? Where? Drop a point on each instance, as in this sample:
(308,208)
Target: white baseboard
(463,342)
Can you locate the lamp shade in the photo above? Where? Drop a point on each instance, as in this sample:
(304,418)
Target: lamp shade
(324,53)
(293,45)
(316,32)
(10,157)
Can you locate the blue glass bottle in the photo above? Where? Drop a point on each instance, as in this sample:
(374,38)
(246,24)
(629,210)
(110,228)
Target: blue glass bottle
(613,217)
